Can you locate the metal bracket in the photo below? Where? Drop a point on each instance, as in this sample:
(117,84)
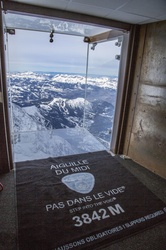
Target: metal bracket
(86,39)
(117,57)
(11,31)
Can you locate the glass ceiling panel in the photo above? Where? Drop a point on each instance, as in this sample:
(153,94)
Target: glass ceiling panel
(17,21)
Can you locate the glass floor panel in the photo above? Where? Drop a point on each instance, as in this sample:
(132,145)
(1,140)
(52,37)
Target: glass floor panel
(54,143)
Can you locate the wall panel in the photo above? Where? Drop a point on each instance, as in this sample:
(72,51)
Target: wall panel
(147,144)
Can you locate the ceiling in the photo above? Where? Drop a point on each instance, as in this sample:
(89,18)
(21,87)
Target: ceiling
(130,11)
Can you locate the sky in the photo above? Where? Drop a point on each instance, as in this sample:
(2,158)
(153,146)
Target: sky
(32,51)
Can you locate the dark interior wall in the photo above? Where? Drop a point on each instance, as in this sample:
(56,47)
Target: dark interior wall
(146,130)
(4,150)
(6,162)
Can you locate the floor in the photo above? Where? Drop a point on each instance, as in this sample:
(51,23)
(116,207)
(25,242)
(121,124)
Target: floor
(54,143)
(152,239)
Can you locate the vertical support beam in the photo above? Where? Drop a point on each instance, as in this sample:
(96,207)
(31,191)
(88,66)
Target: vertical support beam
(129,48)
(118,122)
(5,143)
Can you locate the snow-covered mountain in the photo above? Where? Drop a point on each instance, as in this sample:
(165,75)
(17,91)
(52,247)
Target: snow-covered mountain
(42,101)
(102,82)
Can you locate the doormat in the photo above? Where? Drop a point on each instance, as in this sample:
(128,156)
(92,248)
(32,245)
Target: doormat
(81,201)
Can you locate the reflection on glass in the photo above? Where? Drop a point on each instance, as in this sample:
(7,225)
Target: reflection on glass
(101,90)
(26,22)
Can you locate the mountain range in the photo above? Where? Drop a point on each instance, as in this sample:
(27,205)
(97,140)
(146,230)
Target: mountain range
(46,101)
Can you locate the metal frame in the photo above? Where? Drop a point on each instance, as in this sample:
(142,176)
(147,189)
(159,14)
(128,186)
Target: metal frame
(125,86)
(118,29)
(118,120)
(5,141)
(107,36)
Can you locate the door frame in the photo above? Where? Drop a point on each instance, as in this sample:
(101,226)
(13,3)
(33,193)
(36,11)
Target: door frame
(118,28)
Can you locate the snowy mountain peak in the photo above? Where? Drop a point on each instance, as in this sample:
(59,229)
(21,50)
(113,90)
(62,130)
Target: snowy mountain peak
(102,82)
(98,81)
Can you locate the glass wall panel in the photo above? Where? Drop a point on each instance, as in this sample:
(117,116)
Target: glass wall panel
(101,89)
(46,79)
(47,95)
